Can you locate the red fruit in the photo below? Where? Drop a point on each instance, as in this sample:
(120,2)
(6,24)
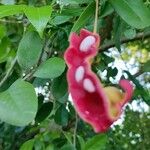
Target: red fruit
(96,105)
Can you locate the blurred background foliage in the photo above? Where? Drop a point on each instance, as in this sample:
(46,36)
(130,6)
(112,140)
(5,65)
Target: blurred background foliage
(124,53)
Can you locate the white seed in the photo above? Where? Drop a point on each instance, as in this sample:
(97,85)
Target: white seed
(88,85)
(87,43)
(87,112)
(79,74)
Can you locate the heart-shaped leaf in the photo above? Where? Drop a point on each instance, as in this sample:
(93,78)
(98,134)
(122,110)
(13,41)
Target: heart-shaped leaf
(38,16)
(18,104)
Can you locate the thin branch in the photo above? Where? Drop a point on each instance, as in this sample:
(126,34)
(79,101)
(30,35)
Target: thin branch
(96,17)
(29,75)
(140,72)
(125,40)
(8,72)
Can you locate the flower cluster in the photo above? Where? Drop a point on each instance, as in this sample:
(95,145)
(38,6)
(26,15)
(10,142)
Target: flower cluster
(97,105)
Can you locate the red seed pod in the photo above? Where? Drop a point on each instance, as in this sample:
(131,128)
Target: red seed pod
(97,105)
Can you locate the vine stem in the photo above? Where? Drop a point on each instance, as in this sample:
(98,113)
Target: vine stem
(8,72)
(96,17)
(75,131)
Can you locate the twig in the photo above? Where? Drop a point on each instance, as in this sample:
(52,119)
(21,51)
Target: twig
(140,72)
(8,72)
(75,131)
(29,75)
(125,40)
(96,17)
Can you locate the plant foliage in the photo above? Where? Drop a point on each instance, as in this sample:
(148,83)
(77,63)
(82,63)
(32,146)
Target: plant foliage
(35,110)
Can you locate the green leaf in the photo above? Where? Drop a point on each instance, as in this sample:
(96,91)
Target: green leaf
(4,49)
(98,142)
(39,144)
(50,147)
(28,145)
(112,72)
(59,86)
(84,17)
(146,66)
(134,12)
(10,80)
(107,10)
(66,2)
(81,141)
(40,82)
(105,58)
(39,17)
(72,11)
(52,68)
(44,111)
(2,31)
(18,104)
(61,116)
(68,147)
(29,50)
(8,10)
(61,19)
(118,26)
